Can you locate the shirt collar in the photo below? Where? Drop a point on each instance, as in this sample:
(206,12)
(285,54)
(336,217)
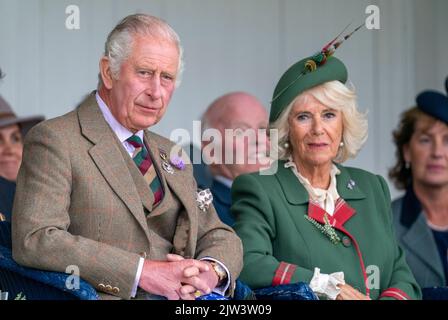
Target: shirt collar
(122,133)
(325,198)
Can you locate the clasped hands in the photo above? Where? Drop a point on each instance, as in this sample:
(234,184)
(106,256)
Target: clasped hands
(178,278)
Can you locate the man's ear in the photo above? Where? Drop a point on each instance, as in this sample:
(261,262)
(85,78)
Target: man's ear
(106,73)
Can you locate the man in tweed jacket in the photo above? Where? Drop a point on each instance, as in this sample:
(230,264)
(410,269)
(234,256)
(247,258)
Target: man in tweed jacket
(82,201)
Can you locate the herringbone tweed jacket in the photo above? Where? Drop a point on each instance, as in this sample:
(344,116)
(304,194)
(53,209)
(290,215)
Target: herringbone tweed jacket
(81,201)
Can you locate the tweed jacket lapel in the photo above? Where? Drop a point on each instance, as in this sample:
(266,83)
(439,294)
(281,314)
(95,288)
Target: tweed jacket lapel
(107,155)
(186,232)
(153,148)
(142,187)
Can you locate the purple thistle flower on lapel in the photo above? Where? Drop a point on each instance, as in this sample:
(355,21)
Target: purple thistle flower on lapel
(177,162)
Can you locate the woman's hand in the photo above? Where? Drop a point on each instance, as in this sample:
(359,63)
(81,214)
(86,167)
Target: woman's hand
(350,293)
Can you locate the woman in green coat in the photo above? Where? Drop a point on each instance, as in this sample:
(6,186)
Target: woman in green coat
(309,218)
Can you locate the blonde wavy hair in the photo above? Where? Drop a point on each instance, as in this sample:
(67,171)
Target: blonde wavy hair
(337,96)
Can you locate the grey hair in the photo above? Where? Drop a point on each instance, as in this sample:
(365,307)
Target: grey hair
(339,97)
(119,42)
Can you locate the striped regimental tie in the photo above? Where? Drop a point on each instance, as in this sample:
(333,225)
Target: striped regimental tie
(144,163)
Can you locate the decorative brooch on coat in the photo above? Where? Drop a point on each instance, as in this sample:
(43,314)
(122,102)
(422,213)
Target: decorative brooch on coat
(327,229)
(204,198)
(321,57)
(175,161)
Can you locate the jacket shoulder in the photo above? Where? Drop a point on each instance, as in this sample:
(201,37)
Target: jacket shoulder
(62,125)
(361,173)
(369,180)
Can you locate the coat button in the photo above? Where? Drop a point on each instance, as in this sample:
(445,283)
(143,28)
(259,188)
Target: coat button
(2,217)
(101,287)
(346,241)
(115,290)
(109,288)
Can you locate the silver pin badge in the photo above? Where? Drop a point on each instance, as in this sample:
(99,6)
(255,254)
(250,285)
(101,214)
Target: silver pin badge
(163,154)
(165,165)
(204,198)
(351,184)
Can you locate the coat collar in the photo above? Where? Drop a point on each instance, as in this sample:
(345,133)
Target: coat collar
(154,148)
(93,125)
(296,194)
(108,157)
(410,208)
(343,212)
(418,234)
(416,240)
(185,235)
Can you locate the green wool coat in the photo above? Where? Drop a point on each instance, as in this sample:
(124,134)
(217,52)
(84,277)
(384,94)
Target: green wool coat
(270,219)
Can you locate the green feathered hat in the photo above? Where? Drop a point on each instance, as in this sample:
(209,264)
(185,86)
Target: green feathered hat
(308,73)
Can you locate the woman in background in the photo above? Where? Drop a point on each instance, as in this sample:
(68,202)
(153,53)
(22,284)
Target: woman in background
(421,215)
(12,131)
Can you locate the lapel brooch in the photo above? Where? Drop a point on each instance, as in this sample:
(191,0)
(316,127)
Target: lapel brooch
(175,161)
(327,229)
(351,184)
(165,165)
(204,198)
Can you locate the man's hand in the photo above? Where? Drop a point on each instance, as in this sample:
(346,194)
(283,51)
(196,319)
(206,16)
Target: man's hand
(350,293)
(176,278)
(209,277)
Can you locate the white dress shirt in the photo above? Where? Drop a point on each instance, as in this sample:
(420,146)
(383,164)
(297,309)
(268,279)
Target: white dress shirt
(325,198)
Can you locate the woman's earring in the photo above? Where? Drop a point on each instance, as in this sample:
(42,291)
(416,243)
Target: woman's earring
(286,145)
(341,144)
(407,165)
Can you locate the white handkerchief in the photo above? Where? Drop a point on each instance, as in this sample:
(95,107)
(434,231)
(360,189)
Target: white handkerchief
(327,284)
